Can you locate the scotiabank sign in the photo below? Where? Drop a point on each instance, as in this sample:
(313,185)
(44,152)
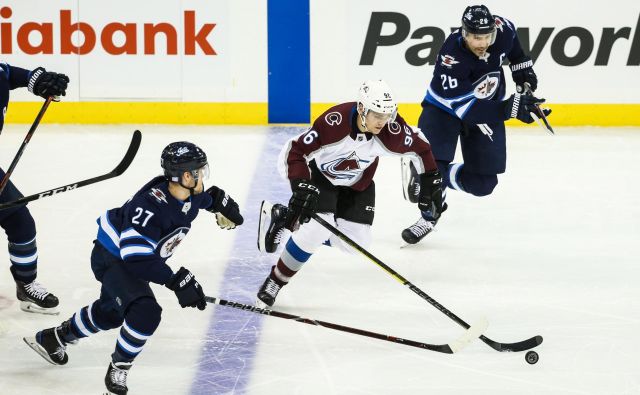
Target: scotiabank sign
(81,38)
(424,42)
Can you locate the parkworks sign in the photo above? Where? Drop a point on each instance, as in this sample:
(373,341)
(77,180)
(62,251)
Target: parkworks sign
(425,41)
(34,38)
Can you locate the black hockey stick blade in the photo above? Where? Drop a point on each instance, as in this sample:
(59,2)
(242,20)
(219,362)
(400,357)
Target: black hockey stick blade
(503,347)
(118,170)
(455,346)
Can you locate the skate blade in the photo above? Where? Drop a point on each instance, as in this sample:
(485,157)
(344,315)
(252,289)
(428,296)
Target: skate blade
(35,346)
(265,211)
(31,307)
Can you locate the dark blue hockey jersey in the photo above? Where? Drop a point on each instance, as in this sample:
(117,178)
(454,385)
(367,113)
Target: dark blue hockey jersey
(471,88)
(145,231)
(11,77)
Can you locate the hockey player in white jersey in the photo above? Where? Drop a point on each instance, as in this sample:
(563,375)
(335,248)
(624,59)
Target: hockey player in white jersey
(331,168)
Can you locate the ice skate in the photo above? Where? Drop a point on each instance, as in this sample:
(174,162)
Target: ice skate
(268,293)
(34,298)
(271,226)
(418,231)
(48,343)
(116,378)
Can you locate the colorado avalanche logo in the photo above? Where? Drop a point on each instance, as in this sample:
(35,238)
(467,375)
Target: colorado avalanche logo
(343,168)
(487,86)
(167,245)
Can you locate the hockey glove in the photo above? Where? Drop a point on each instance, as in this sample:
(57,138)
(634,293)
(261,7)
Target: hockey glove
(521,106)
(430,197)
(45,83)
(303,202)
(226,209)
(522,71)
(187,289)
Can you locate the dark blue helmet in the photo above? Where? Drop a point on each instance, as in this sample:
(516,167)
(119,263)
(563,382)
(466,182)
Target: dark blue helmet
(477,19)
(182,156)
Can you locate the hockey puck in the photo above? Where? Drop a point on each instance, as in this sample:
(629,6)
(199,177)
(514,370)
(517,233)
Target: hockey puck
(531,357)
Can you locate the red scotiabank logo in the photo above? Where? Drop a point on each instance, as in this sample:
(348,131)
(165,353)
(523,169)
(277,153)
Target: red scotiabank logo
(34,38)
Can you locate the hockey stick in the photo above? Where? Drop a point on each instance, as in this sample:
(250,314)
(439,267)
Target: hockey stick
(538,114)
(118,170)
(450,348)
(518,346)
(26,140)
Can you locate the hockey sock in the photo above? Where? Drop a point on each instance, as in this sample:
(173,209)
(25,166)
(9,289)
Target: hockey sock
(23,253)
(81,324)
(141,321)
(24,260)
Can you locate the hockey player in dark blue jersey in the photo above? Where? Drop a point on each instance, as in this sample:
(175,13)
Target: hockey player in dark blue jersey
(465,101)
(17,222)
(133,244)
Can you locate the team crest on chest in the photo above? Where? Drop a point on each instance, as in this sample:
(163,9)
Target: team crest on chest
(343,168)
(487,86)
(167,246)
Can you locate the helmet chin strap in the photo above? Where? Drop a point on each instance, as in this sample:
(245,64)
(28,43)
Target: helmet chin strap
(191,189)
(363,118)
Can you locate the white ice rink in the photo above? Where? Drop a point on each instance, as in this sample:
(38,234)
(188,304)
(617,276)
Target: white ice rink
(553,252)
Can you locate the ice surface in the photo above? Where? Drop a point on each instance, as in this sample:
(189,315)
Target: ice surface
(553,251)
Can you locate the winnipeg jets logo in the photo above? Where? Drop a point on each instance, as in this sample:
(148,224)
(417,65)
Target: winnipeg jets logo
(173,240)
(343,168)
(499,24)
(181,151)
(159,195)
(487,86)
(448,61)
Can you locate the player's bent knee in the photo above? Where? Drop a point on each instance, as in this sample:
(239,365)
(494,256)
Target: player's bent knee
(145,310)
(480,184)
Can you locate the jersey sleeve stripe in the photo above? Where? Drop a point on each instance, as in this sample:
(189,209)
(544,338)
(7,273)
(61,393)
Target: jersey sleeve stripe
(108,229)
(135,250)
(132,233)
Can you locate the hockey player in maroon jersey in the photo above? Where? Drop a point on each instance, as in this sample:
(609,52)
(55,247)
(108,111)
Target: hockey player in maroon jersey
(331,168)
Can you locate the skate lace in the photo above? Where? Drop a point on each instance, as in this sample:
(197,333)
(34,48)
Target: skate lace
(422,227)
(278,236)
(119,376)
(36,290)
(272,288)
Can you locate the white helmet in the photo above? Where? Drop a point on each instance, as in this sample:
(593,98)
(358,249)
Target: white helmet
(375,95)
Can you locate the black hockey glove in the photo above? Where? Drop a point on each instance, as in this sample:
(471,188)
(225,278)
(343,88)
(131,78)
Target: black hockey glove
(303,202)
(430,197)
(521,106)
(226,209)
(45,83)
(187,289)
(522,71)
